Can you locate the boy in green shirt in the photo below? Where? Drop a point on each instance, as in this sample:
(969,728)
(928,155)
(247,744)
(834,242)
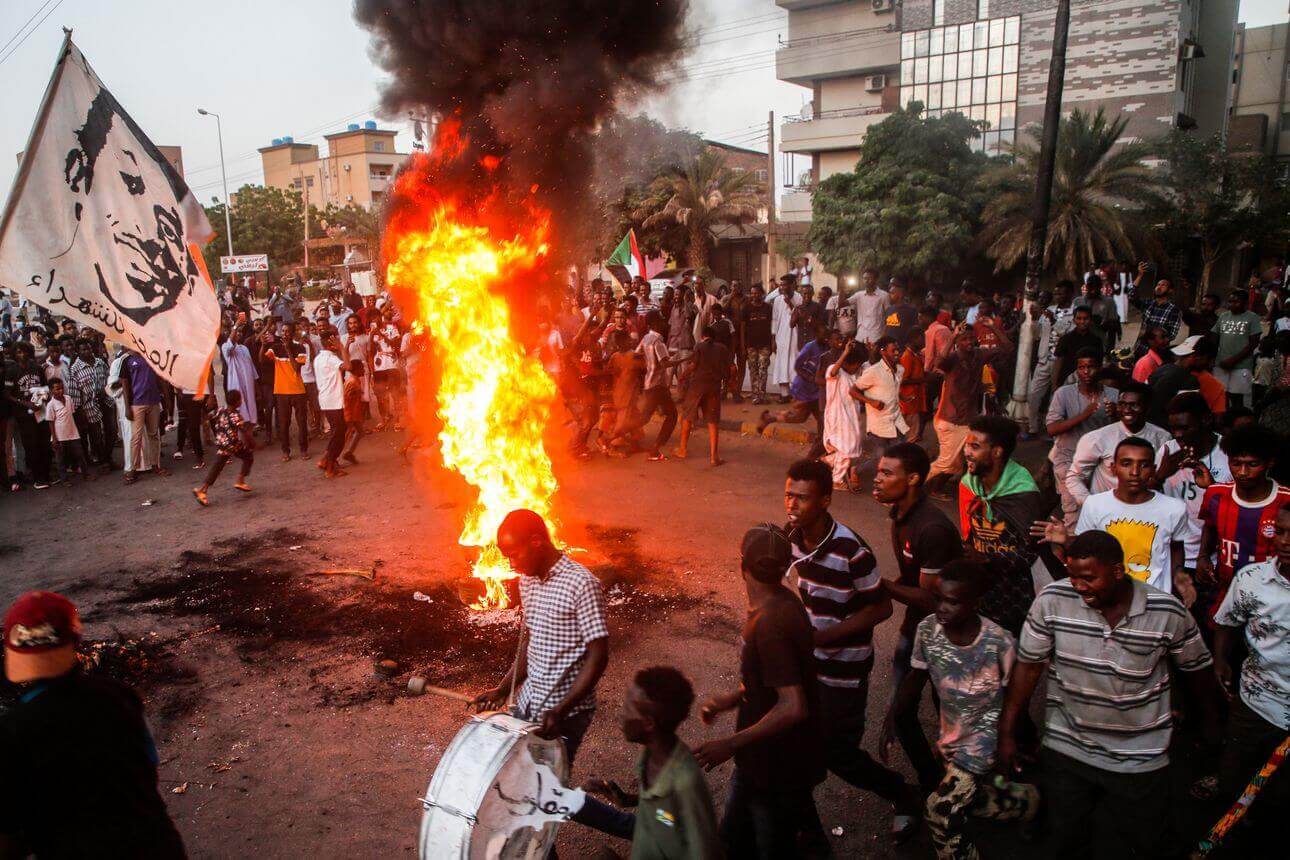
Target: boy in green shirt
(674,814)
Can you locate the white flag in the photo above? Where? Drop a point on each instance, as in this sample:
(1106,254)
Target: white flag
(100,228)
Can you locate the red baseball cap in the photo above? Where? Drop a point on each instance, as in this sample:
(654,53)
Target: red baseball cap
(41,631)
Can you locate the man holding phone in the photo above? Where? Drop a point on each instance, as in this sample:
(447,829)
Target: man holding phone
(1161,311)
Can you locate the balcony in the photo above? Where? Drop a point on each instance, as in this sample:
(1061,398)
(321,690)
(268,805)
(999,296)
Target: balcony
(855,52)
(794,205)
(833,129)
(378,182)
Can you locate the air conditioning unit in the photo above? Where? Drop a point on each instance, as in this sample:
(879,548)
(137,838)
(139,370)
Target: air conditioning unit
(1190,50)
(875,84)
(347,168)
(349,198)
(883,5)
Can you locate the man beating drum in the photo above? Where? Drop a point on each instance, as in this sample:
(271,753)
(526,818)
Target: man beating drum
(564,645)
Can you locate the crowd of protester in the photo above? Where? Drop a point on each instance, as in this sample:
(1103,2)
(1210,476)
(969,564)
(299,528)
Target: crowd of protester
(281,375)
(1142,554)
(1138,564)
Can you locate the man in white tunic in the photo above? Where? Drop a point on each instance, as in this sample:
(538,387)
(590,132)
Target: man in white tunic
(843,439)
(782,302)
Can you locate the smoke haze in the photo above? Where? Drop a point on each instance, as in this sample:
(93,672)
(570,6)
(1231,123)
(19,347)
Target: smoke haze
(528,79)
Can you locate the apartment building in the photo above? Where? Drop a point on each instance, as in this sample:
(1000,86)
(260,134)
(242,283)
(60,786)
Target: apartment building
(1260,119)
(358,168)
(1162,63)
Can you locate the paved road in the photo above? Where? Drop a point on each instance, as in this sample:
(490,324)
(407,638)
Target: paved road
(285,742)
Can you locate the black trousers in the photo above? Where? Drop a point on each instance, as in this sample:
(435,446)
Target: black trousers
(35,445)
(91,432)
(336,443)
(658,400)
(842,711)
(1249,743)
(190,424)
(288,405)
(1073,789)
(764,823)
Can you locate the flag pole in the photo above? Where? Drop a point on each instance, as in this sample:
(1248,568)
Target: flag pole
(29,154)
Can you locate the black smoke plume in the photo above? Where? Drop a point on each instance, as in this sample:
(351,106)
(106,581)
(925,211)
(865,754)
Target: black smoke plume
(528,79)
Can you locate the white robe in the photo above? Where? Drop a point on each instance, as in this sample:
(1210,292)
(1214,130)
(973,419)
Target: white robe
(843,438)
(124,425)
(781,312)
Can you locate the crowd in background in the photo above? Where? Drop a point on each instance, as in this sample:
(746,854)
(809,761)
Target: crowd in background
(329,375)
(1141,552)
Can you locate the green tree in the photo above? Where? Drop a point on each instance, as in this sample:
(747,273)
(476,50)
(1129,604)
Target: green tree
(911,204)
(699,194)
(1217,199)
(265,221)
(1098,183)
(630,151)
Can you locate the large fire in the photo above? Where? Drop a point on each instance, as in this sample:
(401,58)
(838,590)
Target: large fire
(447,257)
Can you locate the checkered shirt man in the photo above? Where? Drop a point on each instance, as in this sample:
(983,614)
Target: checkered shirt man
(81,387)
(563,612)
(1167,316)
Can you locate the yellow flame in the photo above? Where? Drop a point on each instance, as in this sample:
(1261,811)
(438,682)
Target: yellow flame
(494,399)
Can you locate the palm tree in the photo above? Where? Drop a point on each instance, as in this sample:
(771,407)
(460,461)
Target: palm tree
(700,194)
(1098,182)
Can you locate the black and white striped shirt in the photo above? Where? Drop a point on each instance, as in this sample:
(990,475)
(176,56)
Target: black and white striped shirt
(836,580)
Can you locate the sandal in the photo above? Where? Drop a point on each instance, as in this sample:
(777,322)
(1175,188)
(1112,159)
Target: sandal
(200,495)
(246,488)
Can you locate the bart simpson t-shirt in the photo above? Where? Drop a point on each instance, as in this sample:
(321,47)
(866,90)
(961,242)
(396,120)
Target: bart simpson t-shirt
(1145,532)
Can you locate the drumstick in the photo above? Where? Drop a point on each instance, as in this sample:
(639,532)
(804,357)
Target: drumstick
(418,685)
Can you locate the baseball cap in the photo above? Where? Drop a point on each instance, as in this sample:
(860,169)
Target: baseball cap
(41,631)
(1188,346)
(766,552)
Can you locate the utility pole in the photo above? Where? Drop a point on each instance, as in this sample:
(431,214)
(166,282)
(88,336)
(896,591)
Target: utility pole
(770,203)
(305,187)
(1043,204)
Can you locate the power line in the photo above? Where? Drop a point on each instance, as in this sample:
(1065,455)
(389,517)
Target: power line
(15,48)
(24,25)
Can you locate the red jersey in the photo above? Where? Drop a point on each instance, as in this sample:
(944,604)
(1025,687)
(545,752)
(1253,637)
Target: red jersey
(1246,530)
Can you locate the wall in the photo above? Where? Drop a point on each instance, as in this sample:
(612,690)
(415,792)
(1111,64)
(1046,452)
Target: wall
(835,18)
(843,93)
(1121,54)
(1261,82)
(838,161)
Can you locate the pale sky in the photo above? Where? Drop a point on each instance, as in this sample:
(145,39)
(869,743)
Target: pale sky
(301,68)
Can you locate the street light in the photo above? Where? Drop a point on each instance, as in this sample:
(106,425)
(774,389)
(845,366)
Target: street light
(228,222)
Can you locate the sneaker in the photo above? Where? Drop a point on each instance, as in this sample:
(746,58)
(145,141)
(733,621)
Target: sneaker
(179,455)
(656,457)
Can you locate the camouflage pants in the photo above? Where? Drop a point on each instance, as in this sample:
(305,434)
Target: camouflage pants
(963,793)
(758,367)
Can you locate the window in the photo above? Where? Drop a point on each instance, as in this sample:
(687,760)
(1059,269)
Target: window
(970,69)
(938,12)
(763,176)
(379,146)
(982,9)
(297,182)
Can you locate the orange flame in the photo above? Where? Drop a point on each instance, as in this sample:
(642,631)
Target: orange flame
(446,259)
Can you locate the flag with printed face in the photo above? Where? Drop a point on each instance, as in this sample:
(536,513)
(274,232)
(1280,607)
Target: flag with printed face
(100,228)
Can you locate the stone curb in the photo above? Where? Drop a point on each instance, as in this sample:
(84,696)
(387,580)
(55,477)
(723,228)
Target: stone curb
(778,432)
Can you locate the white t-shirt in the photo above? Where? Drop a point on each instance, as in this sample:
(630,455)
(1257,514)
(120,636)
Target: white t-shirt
(871,316)
(387,344)
(62,419)
(1182,485)
(1144,531)
(331,387)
